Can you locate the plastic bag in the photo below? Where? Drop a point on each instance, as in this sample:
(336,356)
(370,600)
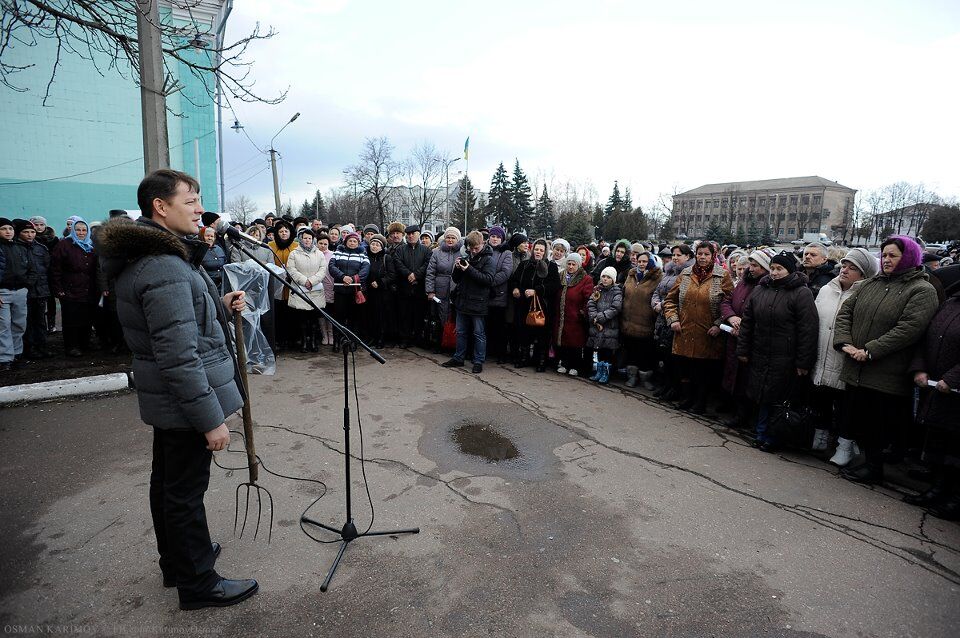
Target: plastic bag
(249,277)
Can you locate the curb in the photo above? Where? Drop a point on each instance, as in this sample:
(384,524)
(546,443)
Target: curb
(46,390)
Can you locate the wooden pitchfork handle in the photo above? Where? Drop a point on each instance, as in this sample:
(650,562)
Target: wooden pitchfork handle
(247,418)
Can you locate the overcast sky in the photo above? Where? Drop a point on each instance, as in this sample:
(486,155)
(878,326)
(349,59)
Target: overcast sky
(658,95)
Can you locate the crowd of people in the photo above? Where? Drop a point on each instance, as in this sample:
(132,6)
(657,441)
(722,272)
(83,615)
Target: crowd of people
(861,349)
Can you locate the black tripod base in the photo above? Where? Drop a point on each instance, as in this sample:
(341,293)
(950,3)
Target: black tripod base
(347,534)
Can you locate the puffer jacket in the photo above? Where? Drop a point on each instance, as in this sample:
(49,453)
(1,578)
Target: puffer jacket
(308,267)
(440,272)
(661,330)
(17,267)
(39,284)
(603,313)
(778,336)
(829,360)
(472,293)
(347,262)
(638,317)
(887,315)
(503,264)
(175,325)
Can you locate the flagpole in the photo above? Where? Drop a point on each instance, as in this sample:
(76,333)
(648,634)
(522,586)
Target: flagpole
(466,180)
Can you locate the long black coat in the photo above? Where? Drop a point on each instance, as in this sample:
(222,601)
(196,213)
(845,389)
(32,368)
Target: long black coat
(411,258)
(778,335)
(938,354)
(525,277)
(472,293)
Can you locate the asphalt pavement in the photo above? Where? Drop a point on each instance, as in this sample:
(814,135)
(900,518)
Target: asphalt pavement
(548,506)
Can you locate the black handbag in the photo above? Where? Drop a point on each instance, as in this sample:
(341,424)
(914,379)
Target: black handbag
(792,422)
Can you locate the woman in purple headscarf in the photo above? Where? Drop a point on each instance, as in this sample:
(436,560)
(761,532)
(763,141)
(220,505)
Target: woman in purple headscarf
(877,329)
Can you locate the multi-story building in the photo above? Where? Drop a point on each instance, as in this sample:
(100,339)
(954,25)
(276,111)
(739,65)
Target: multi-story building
(406,203)
(81,153)
(788,207)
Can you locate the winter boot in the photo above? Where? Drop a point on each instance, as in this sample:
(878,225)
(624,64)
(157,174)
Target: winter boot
(844,453)
(599,371)
(605,372)
(304,339)
(821,440)
(632,373)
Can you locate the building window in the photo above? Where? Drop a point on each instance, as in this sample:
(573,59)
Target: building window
(816,200)
(812,229)
(779,232)
(805,200)
(791,232)
(752,203)
(723,203)
(716,203)
(793,200)
(699,204)
(743,200)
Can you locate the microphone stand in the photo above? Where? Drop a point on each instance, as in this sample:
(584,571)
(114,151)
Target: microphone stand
(348,532)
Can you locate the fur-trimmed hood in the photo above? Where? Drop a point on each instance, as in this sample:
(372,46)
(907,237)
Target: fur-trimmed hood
(122,243)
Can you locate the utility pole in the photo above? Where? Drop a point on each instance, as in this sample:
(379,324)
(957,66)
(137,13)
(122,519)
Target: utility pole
(153,100)
(276,183)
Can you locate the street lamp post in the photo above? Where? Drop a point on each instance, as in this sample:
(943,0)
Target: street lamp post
(446,199)
(273,164)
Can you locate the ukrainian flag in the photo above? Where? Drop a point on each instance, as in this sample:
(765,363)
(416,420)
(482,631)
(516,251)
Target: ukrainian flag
(466,149)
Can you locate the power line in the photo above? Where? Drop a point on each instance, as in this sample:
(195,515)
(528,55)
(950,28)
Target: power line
(96,170)
(247,180)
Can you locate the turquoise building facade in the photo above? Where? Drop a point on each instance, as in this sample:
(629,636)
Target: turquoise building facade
(82,152)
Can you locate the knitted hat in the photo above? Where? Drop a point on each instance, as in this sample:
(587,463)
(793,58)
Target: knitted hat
(574,257)
(426,233)
(762,259)
(789,262)
(39,219)
(371,228)
(562,242)
(347,228)
(5,222)
(516,239)
(208,218)
(863,260)
(637,248)
(22,224)
(395,227)
(379,238)
(452,230)
(498,231)
(610,272)
(350,234)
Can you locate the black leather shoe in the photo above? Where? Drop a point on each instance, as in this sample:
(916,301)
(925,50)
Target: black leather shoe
(933,496)
(452,363)
(866,474)
(225,593)
(477,368)
(171,581)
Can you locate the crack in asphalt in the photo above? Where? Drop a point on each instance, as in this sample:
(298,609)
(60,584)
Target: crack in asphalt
(915,557)
(328,443)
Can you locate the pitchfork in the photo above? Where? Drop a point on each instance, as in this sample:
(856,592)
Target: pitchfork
(253,463)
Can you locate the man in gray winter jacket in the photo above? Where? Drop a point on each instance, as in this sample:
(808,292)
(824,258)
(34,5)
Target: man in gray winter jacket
(175,324)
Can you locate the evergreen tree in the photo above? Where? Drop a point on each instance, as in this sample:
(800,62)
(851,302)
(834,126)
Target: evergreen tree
(754,235)
(766,237)
(716,232)
(614,203)
(667,232)
(522,199)
(575,227)
(500,207)
(627,200)
(598,220)
(542,224)
(475,216)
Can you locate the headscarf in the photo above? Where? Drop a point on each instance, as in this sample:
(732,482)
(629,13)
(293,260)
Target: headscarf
(313,244)
(283,244)
(588,257)
(912,253)
(87,244)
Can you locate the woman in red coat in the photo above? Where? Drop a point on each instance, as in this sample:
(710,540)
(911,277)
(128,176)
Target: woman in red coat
(73,280)
(570,329)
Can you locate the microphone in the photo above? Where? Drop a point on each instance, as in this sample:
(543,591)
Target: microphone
(224,228)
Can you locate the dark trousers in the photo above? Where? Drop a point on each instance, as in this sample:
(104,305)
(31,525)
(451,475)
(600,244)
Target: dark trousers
(77,323)
(35,338)
(412,312)
(347,312)
(373,314)
(828,404)
(641,352)
(51,311)
(497,333)
(181,473)
(575,359)
(700,375)
(873,419)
